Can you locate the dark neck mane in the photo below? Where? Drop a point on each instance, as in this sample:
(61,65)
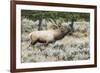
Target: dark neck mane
(59,34)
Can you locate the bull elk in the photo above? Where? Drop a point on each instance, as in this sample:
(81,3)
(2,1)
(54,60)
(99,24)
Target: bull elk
(50,35)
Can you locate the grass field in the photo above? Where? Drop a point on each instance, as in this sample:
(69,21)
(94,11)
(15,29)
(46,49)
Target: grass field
(70,48)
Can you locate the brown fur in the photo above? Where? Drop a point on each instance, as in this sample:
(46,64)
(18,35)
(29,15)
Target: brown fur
(47,36)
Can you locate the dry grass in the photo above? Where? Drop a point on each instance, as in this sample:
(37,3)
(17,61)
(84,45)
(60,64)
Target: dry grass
(72,47)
